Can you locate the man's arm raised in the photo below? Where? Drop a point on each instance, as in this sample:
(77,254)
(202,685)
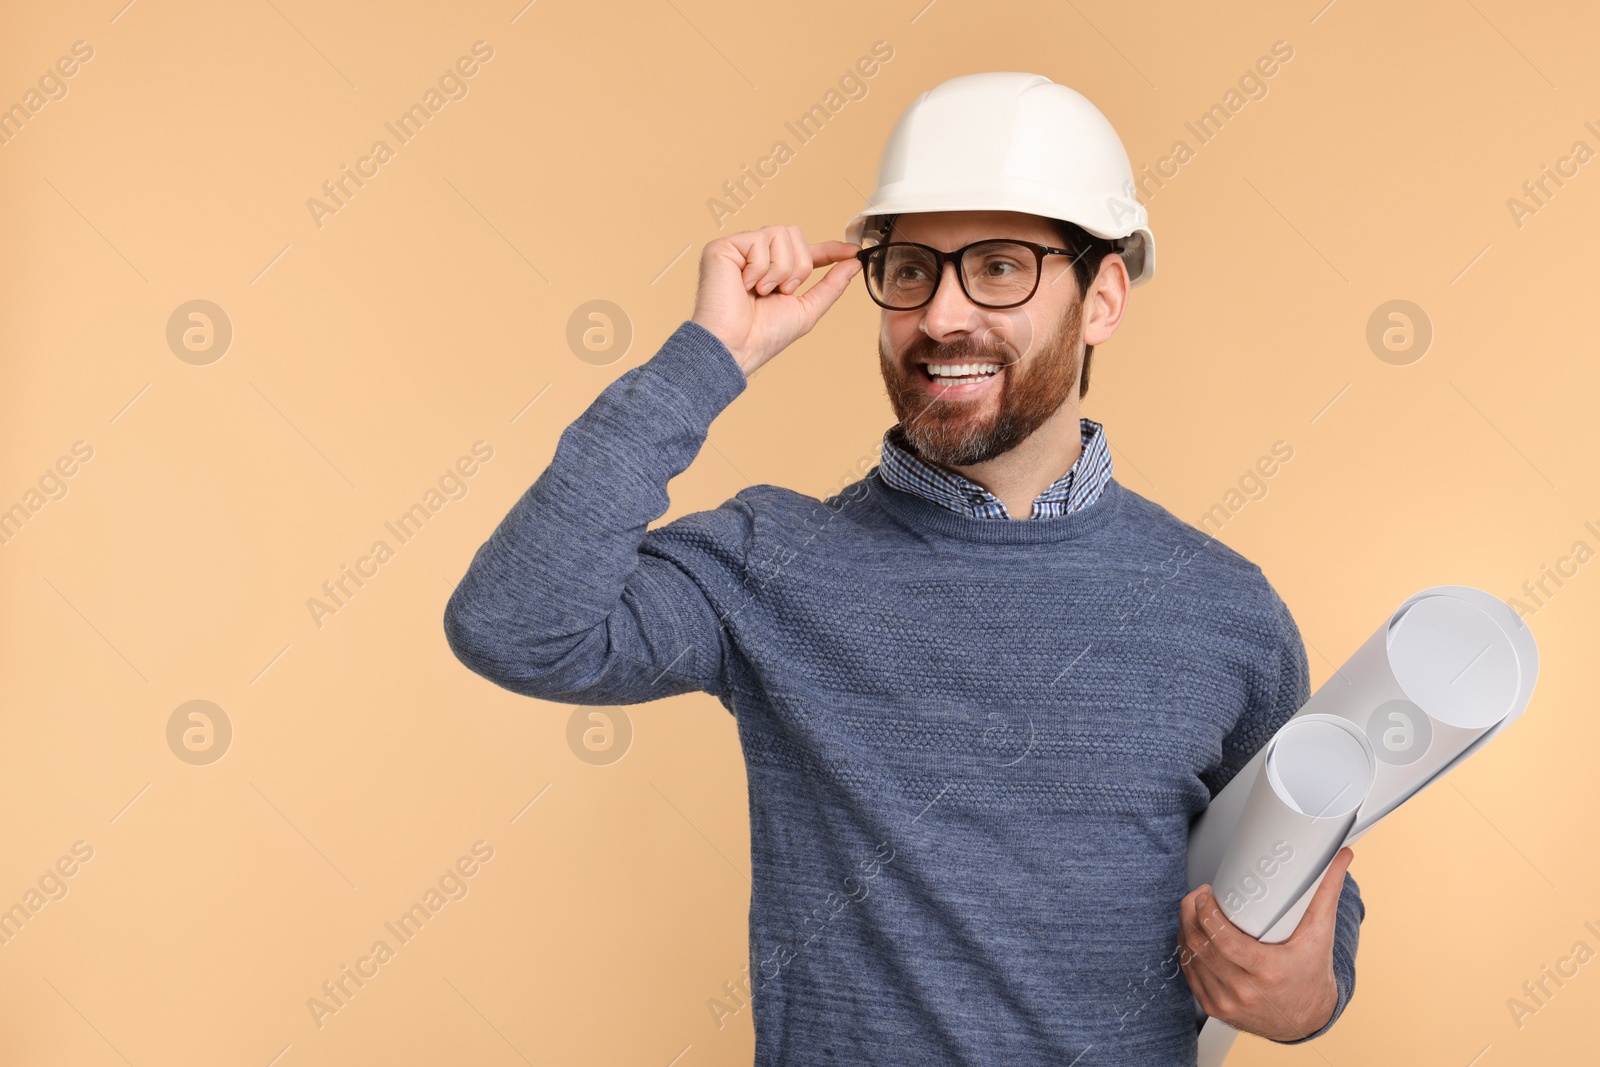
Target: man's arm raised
(567,600)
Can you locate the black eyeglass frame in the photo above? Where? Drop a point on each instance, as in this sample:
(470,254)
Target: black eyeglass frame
(941,258)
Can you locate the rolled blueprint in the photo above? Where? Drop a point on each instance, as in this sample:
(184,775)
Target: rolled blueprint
(1448,670)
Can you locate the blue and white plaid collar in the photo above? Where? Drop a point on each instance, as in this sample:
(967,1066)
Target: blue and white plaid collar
(903,469)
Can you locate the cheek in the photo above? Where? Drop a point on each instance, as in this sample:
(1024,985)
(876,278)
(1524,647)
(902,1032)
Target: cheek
(895,335)
(1014,329)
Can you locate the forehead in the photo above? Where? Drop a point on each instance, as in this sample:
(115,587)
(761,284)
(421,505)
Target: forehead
(952,229)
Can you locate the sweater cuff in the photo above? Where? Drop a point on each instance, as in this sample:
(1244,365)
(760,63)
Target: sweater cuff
(699,367)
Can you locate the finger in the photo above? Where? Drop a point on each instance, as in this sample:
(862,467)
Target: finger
(802,261)
(821,296)
(827,252)
(1202,983)
(1199,935)
(1192,937)
(756,258)
(1189,917)
(781,260)
(1231,943)
(1322,914)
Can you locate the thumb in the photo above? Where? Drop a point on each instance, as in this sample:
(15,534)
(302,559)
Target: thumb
(822,296)
(1323,912)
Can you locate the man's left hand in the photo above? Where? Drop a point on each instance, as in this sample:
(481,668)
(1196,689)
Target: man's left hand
(1281,992)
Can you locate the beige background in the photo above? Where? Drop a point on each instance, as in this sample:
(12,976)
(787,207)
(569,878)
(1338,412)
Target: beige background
(425,315)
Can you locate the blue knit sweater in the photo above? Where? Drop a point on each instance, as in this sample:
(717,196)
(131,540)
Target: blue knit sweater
(974,747)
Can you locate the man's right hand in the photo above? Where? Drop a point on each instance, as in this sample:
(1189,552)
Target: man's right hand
(748,296)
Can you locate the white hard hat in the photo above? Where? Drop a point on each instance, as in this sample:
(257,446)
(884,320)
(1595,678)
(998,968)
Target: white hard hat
(1004,141)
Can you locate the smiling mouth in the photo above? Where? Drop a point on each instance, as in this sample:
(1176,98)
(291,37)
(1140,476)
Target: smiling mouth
(959,374)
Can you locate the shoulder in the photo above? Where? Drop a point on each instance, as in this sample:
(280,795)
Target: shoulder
(758,519)
(791,510)
(1241,586)
(1160,523)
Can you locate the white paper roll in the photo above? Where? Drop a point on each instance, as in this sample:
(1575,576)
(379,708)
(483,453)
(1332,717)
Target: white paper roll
(1318,770)
(1450,668)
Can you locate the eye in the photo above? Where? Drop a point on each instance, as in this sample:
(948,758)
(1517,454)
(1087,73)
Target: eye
(908,267)
(1000,266)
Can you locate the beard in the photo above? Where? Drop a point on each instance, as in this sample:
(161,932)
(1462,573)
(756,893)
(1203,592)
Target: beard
(957,433)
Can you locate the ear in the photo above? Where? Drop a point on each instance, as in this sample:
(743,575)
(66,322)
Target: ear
(1106,300)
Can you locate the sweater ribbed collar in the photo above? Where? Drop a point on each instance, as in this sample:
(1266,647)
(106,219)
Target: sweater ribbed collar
(924,514)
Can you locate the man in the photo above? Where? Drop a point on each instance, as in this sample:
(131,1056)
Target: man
(981,692)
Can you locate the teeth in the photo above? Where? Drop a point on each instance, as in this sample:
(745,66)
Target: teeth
(959,370)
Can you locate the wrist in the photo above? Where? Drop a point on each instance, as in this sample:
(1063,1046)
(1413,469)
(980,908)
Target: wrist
(1329,1004)
(696,363)
(1318,1014)
(740,358)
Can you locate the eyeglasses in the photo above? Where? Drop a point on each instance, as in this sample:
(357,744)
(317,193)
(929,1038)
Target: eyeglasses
(904,275)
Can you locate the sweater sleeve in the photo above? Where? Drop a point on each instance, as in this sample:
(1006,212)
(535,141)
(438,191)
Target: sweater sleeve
(1255,728)
(571,598)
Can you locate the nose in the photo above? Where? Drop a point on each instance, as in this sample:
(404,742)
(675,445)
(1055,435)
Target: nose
(950,315)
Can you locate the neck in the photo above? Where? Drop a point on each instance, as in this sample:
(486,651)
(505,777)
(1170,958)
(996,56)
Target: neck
(1020,475)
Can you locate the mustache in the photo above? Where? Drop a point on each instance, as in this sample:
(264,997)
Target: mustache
(926,350)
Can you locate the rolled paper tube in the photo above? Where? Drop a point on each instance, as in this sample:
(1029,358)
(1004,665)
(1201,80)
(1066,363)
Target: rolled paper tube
(1449,669)
(1427,687)
(1424,687)
(1318,771)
